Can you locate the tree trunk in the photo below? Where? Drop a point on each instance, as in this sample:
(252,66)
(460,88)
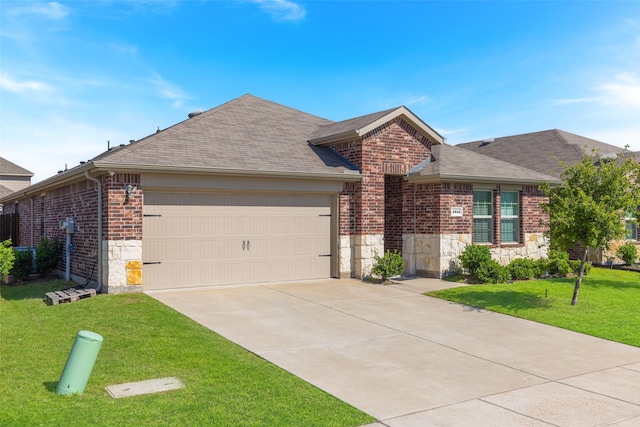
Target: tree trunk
(576,289)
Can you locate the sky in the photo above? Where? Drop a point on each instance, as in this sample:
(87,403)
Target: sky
(77,74)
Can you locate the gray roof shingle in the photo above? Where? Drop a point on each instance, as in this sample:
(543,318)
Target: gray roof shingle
(245,134)
(8,168)
(451,163)
(540,151)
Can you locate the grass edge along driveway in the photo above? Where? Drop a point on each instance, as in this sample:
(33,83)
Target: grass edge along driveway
(144,339)
(608,305)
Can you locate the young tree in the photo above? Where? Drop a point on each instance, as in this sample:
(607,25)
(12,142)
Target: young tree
(588,208)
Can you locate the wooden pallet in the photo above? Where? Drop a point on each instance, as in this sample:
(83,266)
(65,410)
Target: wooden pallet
(69,295)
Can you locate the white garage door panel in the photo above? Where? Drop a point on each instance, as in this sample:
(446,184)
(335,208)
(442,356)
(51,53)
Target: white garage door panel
(196,239)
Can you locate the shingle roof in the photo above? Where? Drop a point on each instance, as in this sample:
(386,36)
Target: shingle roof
(247,134)
(359,126)
(540,151)
(4,191)
(451,163)
(347,126)
(11,169)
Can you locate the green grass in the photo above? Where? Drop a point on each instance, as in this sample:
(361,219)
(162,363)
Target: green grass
(143,339)
(608,304)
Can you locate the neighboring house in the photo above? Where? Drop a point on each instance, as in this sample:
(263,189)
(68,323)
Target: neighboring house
(542,152)
(12,178)
(253,191)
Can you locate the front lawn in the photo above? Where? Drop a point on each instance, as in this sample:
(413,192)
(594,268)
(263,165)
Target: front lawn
(143,339)
(608,304)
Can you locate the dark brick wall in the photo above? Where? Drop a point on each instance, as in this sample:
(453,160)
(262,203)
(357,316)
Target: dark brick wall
(389,150)
(122,217)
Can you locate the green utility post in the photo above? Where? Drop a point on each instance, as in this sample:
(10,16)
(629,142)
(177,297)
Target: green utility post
(80,363)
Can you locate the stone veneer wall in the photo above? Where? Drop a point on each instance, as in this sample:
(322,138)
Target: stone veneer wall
(121,266)
(433,255)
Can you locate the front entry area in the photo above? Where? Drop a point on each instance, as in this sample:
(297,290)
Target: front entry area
(193,239)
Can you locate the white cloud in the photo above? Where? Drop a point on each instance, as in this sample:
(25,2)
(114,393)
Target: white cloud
(169,90)
(7,83)
(52,10)
(416,100)
(565,101)
(282,10)
(447,132)
(624,91)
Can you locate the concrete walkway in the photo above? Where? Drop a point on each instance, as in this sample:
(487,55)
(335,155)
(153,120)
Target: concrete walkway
(411,360)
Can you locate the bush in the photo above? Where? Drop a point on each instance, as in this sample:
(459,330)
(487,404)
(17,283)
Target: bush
(474,256)
(7,258)
(628,253)
(575,266)
(48,254)
(23,264)
(524,268)
(492,272)
(558,263)
(389,265)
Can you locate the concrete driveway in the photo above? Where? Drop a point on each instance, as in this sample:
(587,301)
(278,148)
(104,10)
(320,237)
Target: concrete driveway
(411,360)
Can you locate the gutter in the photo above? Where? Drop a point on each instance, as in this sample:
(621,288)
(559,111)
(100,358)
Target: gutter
(97,181)
(345,175)
(478,180)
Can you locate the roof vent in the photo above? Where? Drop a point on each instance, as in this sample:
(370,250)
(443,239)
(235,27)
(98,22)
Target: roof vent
(486,142)
(195,113)
(82,162)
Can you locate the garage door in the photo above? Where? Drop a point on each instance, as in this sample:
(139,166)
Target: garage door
(204,239)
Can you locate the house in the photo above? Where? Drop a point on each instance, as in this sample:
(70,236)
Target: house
(254,191)
(12,178)
(542,152)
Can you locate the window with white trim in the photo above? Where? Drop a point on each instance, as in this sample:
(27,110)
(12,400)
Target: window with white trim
(631,225)
(510,216)
(483,216)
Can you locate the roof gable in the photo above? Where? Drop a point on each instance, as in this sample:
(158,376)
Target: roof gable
(360,126)
(8,168)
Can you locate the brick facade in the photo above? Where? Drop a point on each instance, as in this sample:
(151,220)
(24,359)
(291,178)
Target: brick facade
(121,219)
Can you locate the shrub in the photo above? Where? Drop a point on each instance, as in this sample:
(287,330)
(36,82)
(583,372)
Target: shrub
(524,268)
(23,264)
(558,263)
(391,264)
(575,266)
(542,266)
(48,254)
(6,258)
(474,256)
(492,272)
(628,253)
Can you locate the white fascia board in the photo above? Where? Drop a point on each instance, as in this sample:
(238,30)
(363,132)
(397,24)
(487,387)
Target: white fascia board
(414,120)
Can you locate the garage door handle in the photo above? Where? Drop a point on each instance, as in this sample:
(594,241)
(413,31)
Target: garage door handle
(151,262)
(248,243)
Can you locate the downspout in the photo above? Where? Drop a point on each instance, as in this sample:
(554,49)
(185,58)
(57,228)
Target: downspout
(32,237)
(97,181)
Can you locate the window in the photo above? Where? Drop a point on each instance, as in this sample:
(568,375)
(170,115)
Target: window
(509,216)
(631,226)
(483,216)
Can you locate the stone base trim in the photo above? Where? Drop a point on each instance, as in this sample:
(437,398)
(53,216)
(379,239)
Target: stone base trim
(121,266)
